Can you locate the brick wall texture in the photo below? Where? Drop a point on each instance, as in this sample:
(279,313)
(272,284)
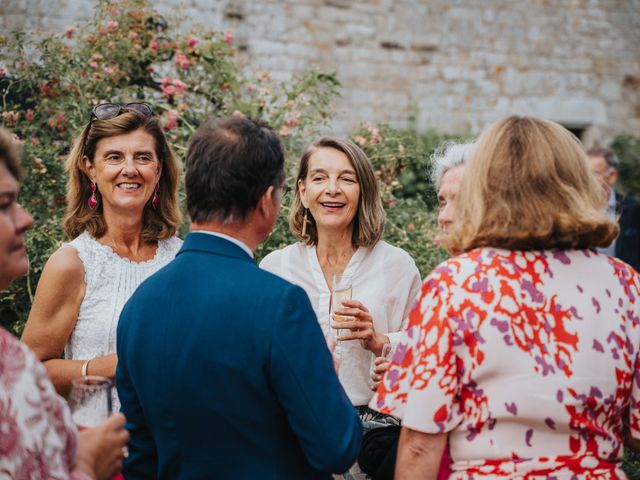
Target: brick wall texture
(453,65)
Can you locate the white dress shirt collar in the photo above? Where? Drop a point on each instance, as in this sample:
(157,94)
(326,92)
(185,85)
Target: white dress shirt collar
(239,243)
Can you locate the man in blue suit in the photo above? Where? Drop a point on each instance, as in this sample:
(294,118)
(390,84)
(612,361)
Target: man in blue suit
(223,371)
(624,209)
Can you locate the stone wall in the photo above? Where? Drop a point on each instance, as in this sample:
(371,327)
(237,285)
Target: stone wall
(454,65)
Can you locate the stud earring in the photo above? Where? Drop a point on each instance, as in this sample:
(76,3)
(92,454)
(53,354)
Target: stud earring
(155,201)
(93,200)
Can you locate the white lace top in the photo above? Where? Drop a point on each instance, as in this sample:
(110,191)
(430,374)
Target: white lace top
(110,281)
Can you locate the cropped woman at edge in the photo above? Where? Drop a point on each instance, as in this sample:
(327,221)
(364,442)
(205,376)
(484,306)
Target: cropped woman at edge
(38,437)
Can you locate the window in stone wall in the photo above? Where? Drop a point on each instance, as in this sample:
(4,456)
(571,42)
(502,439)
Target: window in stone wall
(584,132)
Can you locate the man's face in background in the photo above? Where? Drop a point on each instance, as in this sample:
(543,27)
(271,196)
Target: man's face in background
(601,169)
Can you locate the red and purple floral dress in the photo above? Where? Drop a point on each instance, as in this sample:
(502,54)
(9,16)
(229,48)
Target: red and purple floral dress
(529,360)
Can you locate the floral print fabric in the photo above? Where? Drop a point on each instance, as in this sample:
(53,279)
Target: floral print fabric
(528,359)
(38,439)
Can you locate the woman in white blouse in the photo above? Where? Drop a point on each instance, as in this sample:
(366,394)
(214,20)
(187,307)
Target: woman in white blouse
(337,214)
(122,216)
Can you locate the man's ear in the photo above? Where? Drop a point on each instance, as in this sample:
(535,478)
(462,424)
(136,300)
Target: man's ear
(612,177)
(268,203)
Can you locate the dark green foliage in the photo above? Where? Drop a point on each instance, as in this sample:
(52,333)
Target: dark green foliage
(627,148)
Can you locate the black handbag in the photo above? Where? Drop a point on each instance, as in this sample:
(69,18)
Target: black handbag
(378,453)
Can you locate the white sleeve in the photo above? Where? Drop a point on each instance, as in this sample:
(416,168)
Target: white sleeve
(409,283)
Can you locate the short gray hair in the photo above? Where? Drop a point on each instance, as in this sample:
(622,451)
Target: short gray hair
(447,157)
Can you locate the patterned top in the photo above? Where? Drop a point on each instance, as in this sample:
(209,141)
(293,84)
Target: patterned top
(38,439)
(110,281)
(527,359)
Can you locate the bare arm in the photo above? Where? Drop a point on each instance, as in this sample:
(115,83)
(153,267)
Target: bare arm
(53,316)
(419,454)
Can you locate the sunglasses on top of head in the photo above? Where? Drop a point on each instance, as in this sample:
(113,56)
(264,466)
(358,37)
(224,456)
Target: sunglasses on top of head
(107,111)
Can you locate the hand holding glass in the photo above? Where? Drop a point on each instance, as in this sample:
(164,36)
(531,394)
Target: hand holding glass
(90,400)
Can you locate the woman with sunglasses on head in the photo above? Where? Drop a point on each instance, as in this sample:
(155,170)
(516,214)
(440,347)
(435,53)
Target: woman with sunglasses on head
(122,216)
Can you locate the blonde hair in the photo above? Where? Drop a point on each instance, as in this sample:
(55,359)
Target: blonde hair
(368,224)
(158,224)
(527,186)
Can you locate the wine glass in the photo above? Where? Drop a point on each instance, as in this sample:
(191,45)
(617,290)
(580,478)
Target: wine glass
(90,400)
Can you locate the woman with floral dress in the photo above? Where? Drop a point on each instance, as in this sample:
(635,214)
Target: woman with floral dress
(523,349)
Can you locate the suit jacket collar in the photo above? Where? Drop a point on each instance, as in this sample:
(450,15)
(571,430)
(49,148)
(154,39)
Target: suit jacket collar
(623,201)
(201,242)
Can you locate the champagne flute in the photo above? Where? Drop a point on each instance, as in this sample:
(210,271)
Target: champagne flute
(341,290)
(90,400)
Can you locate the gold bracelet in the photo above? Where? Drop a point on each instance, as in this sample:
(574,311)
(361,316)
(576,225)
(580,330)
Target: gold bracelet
(85,365)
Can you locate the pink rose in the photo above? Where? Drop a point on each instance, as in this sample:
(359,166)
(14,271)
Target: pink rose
(181,87)
(375,136)
(228,38)
(182,61)
(112,25)
(292,121)
(68,32)
(192,42)
(172,86)
(170,121)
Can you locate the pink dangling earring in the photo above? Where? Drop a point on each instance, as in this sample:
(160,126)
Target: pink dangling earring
(155,200)
(93,200)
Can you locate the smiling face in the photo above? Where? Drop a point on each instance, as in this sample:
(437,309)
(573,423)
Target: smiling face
(126,170)
(14,221)
(449,187)
(330,190)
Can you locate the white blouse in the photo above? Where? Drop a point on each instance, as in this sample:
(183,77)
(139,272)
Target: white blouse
(385,279)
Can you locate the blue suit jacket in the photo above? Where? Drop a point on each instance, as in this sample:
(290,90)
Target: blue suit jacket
(628,241)
(223,372)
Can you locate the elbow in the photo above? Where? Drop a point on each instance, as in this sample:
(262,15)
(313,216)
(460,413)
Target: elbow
(339,455)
